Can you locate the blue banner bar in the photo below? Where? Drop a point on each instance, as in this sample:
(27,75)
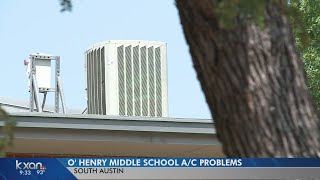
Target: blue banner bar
(67,168)
(190,162)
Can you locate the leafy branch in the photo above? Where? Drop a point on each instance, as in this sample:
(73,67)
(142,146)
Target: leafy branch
(7,131)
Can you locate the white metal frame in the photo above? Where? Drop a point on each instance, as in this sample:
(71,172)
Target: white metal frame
(35,90)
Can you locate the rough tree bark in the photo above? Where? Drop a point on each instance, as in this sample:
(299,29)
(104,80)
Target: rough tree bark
(254,83)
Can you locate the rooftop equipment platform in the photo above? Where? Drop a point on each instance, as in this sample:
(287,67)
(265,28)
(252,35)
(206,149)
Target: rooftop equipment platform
(39,75)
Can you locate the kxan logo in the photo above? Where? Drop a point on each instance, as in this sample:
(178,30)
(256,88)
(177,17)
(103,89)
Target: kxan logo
(29,165)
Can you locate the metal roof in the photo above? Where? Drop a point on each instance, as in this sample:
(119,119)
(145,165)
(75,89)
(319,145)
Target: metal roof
(114,135)
(12,105)
(114,123)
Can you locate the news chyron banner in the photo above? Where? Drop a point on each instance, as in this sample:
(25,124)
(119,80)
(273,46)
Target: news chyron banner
(158,168)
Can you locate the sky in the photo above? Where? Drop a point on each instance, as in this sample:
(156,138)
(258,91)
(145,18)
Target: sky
(29,26)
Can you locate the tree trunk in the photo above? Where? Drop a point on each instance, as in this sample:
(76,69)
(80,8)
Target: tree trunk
(254,83)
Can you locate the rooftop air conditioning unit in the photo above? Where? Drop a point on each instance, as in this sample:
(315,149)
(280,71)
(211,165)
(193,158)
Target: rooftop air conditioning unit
(127,78)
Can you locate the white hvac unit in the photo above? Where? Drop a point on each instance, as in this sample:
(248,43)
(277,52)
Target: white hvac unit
(127,78)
